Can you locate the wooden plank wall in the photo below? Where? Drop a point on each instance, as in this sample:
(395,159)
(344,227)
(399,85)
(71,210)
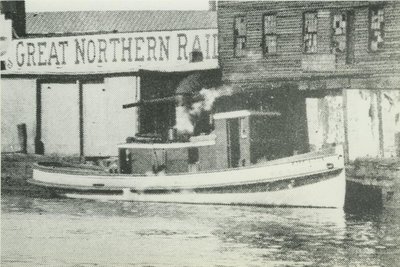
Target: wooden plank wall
(252,70)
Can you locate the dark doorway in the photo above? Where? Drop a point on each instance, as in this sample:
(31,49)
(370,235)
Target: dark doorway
(157,118)
(232,128)
(125,161)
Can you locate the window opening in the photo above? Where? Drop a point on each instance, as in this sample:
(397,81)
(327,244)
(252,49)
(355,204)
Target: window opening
(376,33)
(310,32)
(270,36)
(339,32)
(240,36)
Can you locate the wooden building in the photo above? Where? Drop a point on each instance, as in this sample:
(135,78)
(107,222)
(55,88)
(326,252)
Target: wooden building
(69,77)
(331,68)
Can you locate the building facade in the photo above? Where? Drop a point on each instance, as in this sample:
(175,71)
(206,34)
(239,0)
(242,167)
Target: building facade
(332,68)
(67,79)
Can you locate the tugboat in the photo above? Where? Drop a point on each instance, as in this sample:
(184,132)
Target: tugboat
(239,163)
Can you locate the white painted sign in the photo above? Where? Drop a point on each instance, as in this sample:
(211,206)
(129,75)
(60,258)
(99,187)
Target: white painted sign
(162,51)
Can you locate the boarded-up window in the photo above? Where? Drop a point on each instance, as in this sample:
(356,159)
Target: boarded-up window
(240,36)
(269,36)
(339,29)
(310,32)
(342,36)
(376,31)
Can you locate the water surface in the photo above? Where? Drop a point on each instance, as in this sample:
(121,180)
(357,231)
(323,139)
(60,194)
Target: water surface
(68,232)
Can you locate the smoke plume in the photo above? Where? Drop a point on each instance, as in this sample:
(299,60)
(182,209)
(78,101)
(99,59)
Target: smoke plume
(187,115)
(183,120)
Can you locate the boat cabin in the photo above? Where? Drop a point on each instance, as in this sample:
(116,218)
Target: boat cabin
(240,138)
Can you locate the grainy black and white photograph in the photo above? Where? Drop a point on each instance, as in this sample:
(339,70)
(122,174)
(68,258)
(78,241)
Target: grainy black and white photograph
(200,133)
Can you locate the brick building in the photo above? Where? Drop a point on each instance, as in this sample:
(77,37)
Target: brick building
(332,68)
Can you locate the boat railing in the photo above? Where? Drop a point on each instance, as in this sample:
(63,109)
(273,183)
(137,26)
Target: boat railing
(298,160)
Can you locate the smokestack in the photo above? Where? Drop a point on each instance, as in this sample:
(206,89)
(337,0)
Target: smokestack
(15,11)
(212,5)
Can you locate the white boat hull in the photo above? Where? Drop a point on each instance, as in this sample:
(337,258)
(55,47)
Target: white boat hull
(328,193)
(316,181)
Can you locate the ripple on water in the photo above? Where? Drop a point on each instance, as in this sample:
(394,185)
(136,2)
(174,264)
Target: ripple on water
(45,232)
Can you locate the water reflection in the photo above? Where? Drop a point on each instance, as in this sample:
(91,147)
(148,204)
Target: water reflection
(65,232)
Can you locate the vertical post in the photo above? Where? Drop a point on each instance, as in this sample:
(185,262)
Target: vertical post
(228,143)
(22,137)
(39,146)
(346,126)
(380,123)
(81,136)
(137,98)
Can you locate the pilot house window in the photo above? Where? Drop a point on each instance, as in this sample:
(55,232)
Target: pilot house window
(270,37)
(310,32)
(240,36)
(376,31)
